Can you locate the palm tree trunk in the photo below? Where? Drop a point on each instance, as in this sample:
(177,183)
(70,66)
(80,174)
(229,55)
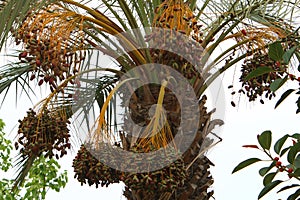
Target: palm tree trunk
(198,178)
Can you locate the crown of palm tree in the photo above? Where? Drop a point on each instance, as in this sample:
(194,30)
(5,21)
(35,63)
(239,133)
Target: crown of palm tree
(54,35)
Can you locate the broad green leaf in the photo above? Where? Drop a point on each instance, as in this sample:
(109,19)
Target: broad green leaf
(296,136)
(278,145)
(293,152)
(263,171)
(288,187)
(297,161)
(294,196)
(288,54)
(284,96)
(269,178)
(284,150)
(245,163)
(265,139)
(258,72)
(276,51)
(297,172)
(268,188)
(276,84)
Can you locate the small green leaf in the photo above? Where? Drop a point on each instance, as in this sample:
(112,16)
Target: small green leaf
(269,178)
(288,187)
(245,163)
(297,161)
(263,171)
(258,72)
(297,172)
(284,150)
(268,188)
(284,96)
(276,84)
(265,139)
(296,136)
(293,152)
(276,51)
(278,145)
(288,54)
(295,195)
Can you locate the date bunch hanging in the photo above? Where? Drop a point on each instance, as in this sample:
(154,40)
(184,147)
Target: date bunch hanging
(46,132)
(260,85)
(177,38)
(53,44)
(89,169)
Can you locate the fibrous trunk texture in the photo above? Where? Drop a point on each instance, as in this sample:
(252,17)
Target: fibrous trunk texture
(197,179)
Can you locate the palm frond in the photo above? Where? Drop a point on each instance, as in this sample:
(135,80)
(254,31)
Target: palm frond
(103,131)
(25,163)
(15,73)
(110,6)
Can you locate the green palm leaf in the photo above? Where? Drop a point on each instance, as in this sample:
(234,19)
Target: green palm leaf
(15,73)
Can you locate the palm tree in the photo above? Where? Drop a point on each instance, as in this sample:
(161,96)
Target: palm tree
(59,39)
